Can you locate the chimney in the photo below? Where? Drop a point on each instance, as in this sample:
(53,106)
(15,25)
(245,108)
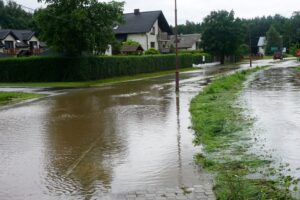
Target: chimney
(136,11)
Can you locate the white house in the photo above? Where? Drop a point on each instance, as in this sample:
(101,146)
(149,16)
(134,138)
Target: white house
(150,29)
(261,45)
(12,42)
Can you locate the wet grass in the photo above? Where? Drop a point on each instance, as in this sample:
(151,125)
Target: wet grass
(15,97)
(221,127)
(97,83)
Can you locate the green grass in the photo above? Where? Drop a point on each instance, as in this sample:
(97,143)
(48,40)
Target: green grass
(97,83)
(15,97)
(221,127)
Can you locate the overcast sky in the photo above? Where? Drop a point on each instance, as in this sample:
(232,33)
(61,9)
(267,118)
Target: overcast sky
(196,10)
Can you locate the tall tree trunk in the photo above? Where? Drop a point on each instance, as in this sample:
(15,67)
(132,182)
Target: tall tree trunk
(222,59)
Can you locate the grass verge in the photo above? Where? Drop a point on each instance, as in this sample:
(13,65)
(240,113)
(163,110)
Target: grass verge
(97,83)
(15,97)
(221,127)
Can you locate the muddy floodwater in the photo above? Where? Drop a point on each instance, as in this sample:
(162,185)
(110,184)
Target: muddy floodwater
(273,98)
(88,143)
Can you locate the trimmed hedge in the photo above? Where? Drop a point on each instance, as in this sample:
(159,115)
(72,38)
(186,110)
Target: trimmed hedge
(198,58)
(56,69)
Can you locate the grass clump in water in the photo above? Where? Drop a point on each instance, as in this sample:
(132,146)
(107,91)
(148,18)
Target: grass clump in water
(15,97)
(221,128)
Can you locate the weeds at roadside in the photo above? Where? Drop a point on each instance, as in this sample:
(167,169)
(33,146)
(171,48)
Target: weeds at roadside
(221,127)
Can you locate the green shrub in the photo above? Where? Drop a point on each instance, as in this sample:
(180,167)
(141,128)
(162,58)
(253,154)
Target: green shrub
(191,51)
(55,69)
(294,49)
(152,51)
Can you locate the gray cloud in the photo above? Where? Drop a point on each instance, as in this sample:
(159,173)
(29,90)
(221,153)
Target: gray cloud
(196,10)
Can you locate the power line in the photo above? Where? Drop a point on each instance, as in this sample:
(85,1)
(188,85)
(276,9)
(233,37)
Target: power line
(22,6)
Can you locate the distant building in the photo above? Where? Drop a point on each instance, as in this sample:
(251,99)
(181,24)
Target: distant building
(132,50)
(261,45)
(150,29)
(187,42)
(13,42)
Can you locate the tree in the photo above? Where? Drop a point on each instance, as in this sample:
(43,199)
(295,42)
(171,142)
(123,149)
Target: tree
(222,34)
(274,40)
(12,16)
(79,26)
(243,50)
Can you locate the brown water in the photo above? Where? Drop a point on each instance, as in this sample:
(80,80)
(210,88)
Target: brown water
(88,143)
(273,98)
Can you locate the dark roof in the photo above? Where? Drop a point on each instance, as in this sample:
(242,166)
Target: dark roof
(20,44)
(132,48)
(43,44)
(142,23)
(186,41)
(22,35)
(4,33)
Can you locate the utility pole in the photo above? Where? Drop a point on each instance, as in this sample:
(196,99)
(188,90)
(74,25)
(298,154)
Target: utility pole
(176,49)
(250,42)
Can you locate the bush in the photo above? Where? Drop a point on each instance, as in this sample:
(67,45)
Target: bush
(51,69)
(294,49)
(191,51)
(152,51)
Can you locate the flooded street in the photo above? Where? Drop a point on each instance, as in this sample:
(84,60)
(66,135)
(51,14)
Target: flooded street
(92,142)
(273,98)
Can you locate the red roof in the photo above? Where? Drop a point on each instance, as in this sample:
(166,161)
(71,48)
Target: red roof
(298,53)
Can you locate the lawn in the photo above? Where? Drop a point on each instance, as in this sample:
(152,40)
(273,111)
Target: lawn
(15,97)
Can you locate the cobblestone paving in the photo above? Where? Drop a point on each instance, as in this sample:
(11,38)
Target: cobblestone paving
(197,192)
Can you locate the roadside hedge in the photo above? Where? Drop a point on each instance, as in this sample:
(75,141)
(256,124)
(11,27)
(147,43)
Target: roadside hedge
(198,58)
(56,69)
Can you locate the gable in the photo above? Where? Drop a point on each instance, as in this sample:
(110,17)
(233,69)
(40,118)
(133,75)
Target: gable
(142,23)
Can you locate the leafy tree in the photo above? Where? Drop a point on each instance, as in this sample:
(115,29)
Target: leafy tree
(222,34)
(243,50)
(79,26)
(12,16)
(189,28)
(274,40)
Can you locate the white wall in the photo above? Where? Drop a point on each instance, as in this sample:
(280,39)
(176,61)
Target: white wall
(146,39)
(108,51)
(10,38)
(35,39)
(140,38)
(261,50)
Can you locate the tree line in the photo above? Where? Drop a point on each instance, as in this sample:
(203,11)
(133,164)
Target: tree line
(12,16)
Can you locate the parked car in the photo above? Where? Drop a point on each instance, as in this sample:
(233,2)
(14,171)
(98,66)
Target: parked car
(278,56)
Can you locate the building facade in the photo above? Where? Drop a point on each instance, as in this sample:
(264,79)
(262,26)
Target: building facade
(150,29)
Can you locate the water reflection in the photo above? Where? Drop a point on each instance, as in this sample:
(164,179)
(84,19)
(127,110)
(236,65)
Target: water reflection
(273,98)
(90,142)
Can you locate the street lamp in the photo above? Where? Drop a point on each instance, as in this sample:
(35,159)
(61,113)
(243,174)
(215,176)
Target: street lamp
(176,49)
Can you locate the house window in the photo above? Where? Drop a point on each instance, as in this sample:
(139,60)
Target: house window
(9,44)
(153,31)
(152,44)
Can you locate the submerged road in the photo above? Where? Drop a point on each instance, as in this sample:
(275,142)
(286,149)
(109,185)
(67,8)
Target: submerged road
(90,143)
